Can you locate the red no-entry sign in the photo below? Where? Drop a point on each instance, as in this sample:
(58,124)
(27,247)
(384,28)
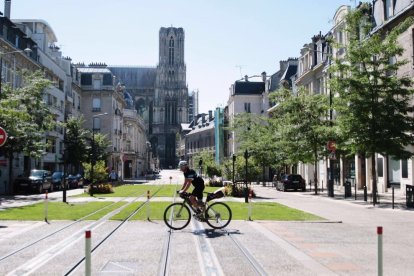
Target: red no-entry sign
(3,136)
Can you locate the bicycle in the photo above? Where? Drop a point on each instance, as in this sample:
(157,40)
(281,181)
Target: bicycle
(217,215)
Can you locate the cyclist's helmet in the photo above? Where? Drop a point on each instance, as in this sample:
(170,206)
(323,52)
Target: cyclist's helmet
(182,163)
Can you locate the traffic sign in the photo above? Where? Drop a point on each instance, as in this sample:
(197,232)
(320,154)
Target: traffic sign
(331,146)
(3,136)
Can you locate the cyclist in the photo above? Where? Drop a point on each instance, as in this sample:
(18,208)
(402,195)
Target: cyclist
(190,177)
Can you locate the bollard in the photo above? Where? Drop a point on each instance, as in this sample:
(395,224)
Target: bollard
(170,179)
(392,197)
(250,205)
(148,205)
(355,185)
(310,186)
(379,232)
(365,193)
(46,206)
(88,253)
(322,186)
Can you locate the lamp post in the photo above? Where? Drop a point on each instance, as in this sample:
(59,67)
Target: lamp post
(200,163)
(93,150)
(246,189)
(234,160)
(27,50)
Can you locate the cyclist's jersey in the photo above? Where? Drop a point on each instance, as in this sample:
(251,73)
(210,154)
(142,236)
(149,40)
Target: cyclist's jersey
(197,181)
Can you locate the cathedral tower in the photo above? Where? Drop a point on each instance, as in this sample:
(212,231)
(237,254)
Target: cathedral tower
(170,104)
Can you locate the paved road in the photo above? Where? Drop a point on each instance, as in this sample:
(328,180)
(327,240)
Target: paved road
(346,244)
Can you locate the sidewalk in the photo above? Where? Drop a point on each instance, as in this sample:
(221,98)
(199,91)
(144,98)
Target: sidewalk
(384,200)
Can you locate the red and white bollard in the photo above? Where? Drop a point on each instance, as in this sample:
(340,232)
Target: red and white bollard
(379,232)
(88,235)
(250,205)
(148,205)
(46,206)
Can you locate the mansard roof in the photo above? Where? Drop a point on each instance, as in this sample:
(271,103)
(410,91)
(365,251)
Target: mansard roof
(249,88)
(135,77)
(94,70)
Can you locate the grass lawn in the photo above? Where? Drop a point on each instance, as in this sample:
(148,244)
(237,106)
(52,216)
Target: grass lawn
(260,211)
(155,190)
(58,211)
(63,211)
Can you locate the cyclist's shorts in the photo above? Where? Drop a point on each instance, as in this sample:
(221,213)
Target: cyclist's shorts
(198,192)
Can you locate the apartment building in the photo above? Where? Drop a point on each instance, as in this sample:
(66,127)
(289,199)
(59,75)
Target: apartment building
(13,43)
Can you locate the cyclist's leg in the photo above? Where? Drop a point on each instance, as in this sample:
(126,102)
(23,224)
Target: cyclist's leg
(197,195)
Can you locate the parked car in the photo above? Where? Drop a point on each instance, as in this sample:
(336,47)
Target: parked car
(57,180)
(74,181)
(36,181)
(291,182)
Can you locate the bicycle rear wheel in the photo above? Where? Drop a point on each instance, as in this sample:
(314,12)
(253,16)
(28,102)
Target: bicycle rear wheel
(218,215)
(177,216)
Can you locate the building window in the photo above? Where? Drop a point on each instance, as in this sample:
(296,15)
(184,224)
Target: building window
(51,145)
(86,79)
(107,79)
(96,105)
(171,51)
(380,167)
(404,168)
(388,9)
(247,107)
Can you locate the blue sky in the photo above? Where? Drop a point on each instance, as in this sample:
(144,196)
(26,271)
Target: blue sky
(225,39)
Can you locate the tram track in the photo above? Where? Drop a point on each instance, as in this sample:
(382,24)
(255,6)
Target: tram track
(163,268)
(46,255)
(208,261)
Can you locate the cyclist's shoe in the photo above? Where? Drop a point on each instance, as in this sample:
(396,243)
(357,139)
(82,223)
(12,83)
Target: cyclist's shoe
(199,217)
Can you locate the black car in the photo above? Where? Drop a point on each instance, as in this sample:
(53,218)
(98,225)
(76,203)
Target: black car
(36,181)
(74,181)
(57,180)
(291,182)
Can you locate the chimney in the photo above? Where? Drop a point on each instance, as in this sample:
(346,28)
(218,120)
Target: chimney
(264,76)
(7,7)
(203,119)
(283,65)
(246,78)
(210,115)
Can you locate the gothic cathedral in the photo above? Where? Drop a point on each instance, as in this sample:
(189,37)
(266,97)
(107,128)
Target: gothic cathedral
(161,95)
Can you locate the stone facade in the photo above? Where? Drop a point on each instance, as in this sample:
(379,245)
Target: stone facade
(161,95)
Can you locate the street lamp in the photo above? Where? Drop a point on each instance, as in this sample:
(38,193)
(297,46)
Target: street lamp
(234,160)
(93,150)
(246,189)
(27,50)
(200,163)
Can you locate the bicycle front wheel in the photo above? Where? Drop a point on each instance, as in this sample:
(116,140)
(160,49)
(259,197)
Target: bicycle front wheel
(177,216)
(218,215)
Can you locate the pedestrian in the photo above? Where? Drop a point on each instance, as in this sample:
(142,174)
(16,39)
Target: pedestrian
(113,176)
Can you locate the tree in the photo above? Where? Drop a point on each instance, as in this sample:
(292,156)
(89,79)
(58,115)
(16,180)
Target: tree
(255,134)
(373,102)
(76,142)
(209,165)
(303,125)
(25,117)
